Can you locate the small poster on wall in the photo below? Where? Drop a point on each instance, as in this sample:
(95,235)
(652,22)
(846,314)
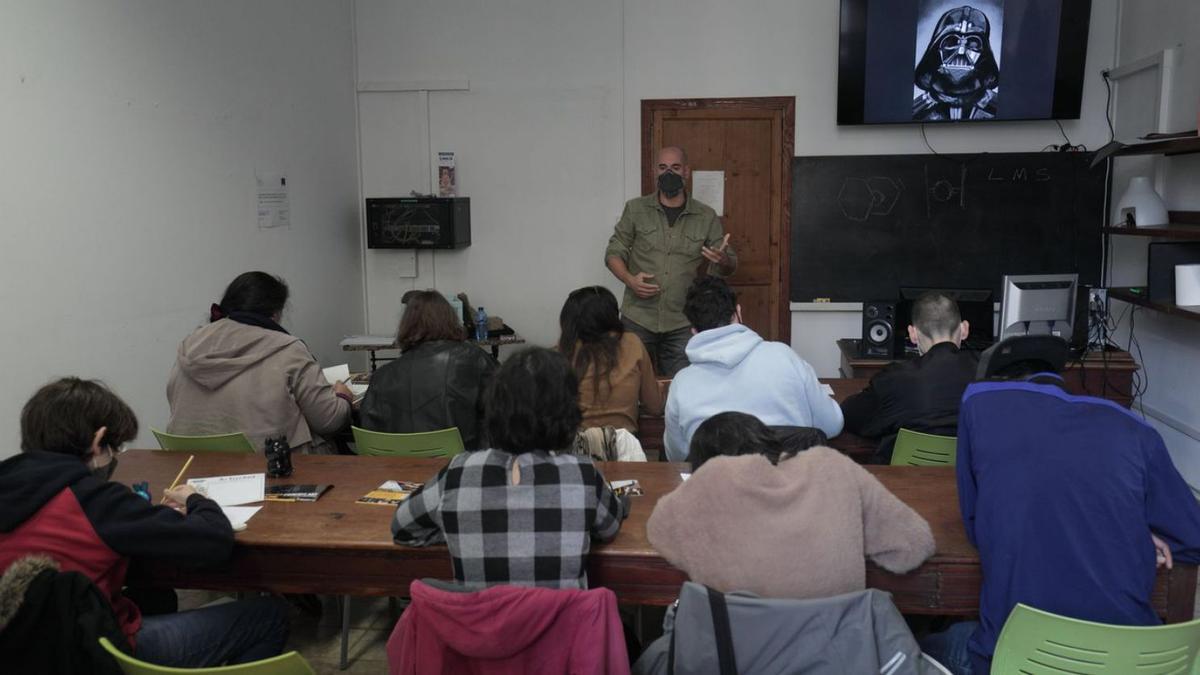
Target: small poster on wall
(273,207)
(447,181)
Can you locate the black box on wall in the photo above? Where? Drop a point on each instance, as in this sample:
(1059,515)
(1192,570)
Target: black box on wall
(419,222)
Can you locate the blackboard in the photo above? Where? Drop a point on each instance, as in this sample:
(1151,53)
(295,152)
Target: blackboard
(865,226)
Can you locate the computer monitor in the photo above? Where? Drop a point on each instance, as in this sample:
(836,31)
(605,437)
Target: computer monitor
(1038,304)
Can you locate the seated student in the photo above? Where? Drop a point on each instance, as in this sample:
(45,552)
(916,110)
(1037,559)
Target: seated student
(1061,494)
(56,500)
(733,368)
(519,512)
(781,525)
(244,372)
(437,380)
(614,369)
(921,394)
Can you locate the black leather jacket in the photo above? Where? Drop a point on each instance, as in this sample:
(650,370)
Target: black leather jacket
(431,386)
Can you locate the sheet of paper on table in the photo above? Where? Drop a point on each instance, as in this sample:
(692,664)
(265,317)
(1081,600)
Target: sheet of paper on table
(232,490)
(239,515)
(827,389)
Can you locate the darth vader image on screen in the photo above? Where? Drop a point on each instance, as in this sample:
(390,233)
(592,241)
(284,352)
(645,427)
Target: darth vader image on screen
(958,76)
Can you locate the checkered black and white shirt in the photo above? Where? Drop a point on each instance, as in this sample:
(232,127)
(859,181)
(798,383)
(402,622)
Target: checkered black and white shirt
(535,533)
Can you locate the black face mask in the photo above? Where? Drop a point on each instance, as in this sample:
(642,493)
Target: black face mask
(670,183)
(105,472)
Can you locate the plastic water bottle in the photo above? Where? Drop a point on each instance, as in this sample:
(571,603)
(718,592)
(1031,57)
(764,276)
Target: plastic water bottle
(481,321)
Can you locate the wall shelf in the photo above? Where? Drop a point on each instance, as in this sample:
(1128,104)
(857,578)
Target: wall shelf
(1170,146)
(1140,299)
(1165,232)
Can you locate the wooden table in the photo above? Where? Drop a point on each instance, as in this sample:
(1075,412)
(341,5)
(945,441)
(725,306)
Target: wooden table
(379,343)
(334,546)
(651,427)
(1105,374)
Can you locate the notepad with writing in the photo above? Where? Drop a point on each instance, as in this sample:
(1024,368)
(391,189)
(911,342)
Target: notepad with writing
(296,493)
(391,493)
(232,490)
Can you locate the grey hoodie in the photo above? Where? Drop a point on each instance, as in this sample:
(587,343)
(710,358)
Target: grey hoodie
(232,377)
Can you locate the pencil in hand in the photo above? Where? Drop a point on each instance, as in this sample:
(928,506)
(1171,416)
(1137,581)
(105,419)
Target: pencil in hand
(177,477)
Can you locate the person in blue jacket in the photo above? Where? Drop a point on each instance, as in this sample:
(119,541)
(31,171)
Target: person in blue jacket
(1071,501)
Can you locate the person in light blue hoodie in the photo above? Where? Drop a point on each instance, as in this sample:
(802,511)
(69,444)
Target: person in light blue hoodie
(734,369)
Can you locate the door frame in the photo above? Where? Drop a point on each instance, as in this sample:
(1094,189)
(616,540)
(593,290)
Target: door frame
(786,105)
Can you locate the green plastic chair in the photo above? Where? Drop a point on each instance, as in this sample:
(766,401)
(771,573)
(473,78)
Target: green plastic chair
(236,442)
(1037,642)
(914,448)
(441,443)
(290,663)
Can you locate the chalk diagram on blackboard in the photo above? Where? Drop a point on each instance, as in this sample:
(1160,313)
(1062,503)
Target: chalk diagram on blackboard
(944,191)
(861,198)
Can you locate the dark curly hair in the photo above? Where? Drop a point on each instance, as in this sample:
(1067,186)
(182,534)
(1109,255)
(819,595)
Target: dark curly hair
(64,415)
(532,403)
(710,303)
(732,433)
(591,333)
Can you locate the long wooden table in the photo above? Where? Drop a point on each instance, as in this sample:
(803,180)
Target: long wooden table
(650,427)
(334,546)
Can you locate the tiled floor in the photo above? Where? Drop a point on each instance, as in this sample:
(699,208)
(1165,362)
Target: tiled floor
(319,639)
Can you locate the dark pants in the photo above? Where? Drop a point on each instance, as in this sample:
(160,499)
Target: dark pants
(950,647)
(666,349)
(232,632)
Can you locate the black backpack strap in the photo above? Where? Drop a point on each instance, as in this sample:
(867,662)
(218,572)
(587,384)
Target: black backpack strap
(722,632)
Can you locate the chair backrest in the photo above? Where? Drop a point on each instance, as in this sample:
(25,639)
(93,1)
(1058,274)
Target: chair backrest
(777,635)
(440,443)
(290,663)
(236,442)
(914,448)
(1033,641)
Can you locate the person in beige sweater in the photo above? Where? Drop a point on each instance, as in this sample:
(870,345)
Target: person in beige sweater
(243,372)
(798,526)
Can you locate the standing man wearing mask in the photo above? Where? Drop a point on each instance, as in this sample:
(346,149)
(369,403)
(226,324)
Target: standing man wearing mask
(662,242)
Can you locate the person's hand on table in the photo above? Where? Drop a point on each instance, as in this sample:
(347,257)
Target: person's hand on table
(641,287)
(342,390)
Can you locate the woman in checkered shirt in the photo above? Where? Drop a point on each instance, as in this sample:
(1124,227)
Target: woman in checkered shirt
(523,511)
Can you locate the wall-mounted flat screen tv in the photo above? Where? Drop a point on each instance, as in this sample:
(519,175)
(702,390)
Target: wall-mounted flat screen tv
(905,61)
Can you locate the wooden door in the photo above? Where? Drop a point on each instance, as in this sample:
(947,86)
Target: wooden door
(750,139)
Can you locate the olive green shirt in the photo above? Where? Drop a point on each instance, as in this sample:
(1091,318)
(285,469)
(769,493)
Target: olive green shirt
(646,243)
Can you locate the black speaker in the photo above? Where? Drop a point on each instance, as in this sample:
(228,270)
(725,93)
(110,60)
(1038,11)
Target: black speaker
(878,329)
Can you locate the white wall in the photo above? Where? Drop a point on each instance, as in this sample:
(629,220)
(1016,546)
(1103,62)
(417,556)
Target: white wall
(549,138)
(132,132)
(1170,346)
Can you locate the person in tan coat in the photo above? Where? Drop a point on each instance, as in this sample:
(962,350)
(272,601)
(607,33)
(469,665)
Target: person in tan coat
(614,369)
(243,372)
(798,526)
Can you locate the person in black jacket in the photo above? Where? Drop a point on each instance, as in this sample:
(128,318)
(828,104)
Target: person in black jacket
(56,500)
(921,394)
(437,380)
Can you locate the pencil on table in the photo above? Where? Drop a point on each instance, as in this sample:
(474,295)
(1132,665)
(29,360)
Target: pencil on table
(180,475)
